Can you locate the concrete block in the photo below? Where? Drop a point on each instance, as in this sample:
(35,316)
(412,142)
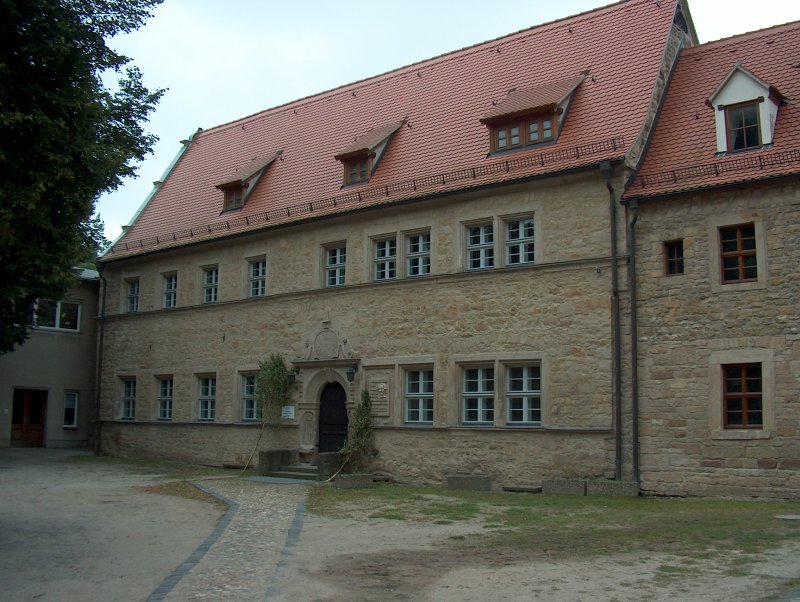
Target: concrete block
(469,482)
(564,487)
(273,459)
(613,488)
(327,464)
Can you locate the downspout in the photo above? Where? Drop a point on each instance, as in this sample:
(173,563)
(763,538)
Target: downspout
(99,366)
(607,169)
(634,216)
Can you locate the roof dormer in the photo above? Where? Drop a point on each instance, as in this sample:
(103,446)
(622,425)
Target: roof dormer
(530,116)
(239,186)
(361,158)
(745,111)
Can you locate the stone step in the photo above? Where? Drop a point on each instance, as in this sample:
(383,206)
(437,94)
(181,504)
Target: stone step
(290,474)
(307,469)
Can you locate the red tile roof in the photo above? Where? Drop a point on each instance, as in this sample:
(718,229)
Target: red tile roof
(682,153)
(441,148)
(547,95)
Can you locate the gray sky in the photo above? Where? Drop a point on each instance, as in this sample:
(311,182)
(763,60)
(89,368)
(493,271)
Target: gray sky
(225,59)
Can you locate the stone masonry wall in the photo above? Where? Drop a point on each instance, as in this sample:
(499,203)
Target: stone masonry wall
(691,324)
(555,313)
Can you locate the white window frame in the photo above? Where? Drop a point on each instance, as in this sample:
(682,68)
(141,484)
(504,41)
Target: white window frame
(479,246)
(57,305)
(210,284)
(251,412)
(128,409)
(257,277)
(384,259)
(528,397)
(73,405)
(419,395)
(170,290)
(522,244)
(335,265)
(418,254)
(207,398)
(166,389)
(132,297)
(483,397)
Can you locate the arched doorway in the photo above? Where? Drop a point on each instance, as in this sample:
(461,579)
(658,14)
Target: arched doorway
(332,418)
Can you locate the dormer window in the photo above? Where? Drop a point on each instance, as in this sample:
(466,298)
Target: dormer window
(519,133)
(530,116)
(357,170)
(234,198)
(361,157)
(745,111)
(741,123)
(240,184)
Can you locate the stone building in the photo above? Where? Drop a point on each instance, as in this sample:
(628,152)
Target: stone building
(47,385)
(717,228)
(447,236)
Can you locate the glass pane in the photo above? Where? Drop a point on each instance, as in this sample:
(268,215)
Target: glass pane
(46,313)
(69,316)
(749,115)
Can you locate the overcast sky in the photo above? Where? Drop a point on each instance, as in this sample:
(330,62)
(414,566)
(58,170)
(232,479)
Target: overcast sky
(225,59)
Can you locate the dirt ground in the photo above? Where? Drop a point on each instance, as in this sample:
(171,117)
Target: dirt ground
(378,559)
(74,531)
(77,531)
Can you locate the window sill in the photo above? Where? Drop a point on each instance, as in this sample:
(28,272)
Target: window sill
(741,434)
(418,424)
(70,427)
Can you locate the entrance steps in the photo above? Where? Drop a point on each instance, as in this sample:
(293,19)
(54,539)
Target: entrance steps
(298,470)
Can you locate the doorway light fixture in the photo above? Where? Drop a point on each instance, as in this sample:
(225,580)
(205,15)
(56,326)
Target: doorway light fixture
(351,373)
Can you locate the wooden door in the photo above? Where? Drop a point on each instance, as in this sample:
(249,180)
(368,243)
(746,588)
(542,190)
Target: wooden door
(332,418)
(28,418)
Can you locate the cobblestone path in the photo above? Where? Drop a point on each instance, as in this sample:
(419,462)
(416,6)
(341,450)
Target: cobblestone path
(242,559)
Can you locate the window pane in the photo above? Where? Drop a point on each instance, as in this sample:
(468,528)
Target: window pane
(68,317)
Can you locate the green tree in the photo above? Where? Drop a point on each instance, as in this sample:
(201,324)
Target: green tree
(65,138)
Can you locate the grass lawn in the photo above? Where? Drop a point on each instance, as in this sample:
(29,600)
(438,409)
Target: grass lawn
(565,526)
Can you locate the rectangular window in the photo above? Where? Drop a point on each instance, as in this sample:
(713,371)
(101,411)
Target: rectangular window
(210,284)
(70,409)
(741,123)
(673,257)
(385,259)
(60,315)
(133,295)
(519,241)
(250,407)
(524,395)
(128,399)
(234,198)
(258,278)
(743,404)
(419,396)
(418,255)
(478,395)
(207,401)
(170,291)
(335,260)
(540,129)
(356,171)
(165,399)
(480,247)
(738,253)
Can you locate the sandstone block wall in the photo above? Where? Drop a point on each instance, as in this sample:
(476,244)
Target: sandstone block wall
(691,324)
(555,313)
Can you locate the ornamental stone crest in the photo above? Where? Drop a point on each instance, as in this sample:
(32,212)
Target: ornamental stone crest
(327,344)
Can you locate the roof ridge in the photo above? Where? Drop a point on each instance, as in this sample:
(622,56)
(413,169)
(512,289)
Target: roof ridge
(432,61)
(747,34)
